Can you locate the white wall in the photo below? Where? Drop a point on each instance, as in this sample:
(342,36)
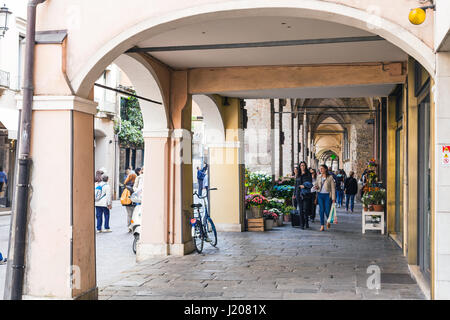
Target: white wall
(442,22)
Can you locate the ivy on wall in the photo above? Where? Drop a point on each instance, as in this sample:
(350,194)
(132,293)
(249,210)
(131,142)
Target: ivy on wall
(129,127)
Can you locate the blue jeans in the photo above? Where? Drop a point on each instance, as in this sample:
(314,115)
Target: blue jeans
(350,198)
(100,211)
(339,197)
(324,206)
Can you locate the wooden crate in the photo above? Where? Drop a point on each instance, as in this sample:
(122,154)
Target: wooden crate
(256,224)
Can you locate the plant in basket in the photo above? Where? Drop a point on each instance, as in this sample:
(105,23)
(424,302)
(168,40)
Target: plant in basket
(256,202)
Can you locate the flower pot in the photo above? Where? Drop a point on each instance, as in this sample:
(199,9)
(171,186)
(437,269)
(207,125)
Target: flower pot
(286,217)
(256,212)
(268,224)
(378,207)
(248,214)
(280,220)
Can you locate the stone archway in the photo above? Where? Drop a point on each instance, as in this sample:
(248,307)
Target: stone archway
(361,18)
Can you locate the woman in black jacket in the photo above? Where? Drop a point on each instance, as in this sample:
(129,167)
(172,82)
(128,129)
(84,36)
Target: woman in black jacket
(350,189)
(304,199)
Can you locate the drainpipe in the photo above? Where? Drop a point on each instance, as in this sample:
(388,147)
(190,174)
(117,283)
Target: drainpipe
(16,265)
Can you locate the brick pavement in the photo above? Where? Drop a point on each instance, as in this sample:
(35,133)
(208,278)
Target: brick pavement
(284,263)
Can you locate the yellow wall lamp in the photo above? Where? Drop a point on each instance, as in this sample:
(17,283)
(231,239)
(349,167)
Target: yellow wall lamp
(418,15)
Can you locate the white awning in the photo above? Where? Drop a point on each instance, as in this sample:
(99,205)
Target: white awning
(10,119)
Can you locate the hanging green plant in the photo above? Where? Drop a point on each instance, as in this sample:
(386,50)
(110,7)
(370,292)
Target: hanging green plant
(129,127)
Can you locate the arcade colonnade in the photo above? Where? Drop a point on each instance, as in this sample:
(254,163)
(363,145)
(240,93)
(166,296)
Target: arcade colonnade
(67,68)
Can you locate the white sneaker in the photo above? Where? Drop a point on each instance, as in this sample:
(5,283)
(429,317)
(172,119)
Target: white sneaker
(99,231)
(3,261)
(107,230)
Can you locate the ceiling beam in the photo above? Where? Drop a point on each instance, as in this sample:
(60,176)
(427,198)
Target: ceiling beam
(218,80)
(263,44)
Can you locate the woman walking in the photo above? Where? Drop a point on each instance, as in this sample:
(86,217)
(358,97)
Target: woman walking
(326,189)
(351,189)
(302,193)
(314,195)
(129,183)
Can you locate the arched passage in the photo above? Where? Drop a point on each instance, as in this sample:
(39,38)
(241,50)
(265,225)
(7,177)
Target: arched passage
(82,76)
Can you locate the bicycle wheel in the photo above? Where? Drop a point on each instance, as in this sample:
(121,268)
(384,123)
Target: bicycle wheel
(211,232)
(197,236)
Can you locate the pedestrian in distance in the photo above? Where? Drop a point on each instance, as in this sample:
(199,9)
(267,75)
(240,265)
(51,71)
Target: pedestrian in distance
(302,193)
(350,189)
(339,188)
(103,204)
(326,189)
(314,195)
(3,179)
(129,183)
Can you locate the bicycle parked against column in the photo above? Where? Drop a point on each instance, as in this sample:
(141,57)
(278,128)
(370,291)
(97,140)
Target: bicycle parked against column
(203,228)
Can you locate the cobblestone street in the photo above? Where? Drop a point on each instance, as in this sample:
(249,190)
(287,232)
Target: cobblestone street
(284,263)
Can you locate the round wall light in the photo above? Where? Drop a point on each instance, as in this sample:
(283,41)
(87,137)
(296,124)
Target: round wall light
(417,16)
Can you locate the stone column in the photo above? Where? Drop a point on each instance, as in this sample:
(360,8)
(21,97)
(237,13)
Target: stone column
(441,185)
(60,244)
(226,174)
(155,204)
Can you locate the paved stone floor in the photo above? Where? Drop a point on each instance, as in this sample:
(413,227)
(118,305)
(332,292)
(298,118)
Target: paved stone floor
(284,263)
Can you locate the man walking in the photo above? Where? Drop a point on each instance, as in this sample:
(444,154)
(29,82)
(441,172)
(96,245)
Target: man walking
(201,174)
(103,203)
(350,189)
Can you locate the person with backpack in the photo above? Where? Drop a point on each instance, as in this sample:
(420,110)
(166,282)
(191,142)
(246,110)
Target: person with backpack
(339,180)
(103,203)
(125,197)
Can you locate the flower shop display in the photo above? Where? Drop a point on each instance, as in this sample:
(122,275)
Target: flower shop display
(283,191)
(258,182)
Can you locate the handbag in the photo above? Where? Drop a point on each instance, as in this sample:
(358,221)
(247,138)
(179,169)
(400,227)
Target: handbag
(332,217)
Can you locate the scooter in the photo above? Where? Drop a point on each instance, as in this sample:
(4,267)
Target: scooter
(136,218)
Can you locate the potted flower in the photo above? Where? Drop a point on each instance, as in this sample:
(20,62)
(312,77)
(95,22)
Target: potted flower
(367,201)
(256,203)
(287,211)
(287,216)
(378,199)
(269,218)
(279,219)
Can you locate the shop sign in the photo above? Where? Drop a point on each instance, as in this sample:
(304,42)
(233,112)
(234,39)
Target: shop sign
(445,156)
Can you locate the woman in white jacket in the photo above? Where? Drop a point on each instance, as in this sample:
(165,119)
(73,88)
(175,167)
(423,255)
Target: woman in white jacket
(103,203)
